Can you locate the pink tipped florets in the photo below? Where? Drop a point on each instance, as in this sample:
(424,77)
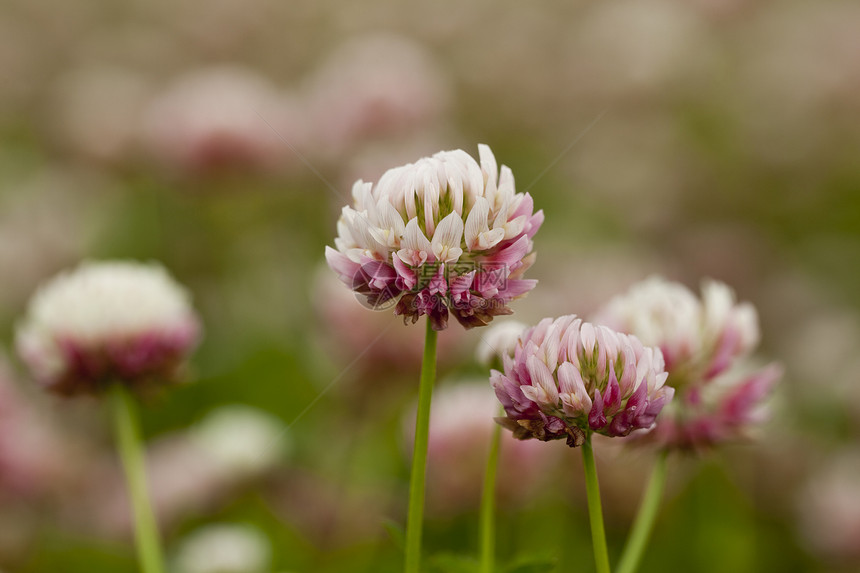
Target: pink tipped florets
(569,378)
(703,340)
(438,236)
(104,322)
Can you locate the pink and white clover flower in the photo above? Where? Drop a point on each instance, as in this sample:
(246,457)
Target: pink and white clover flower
(107,322)
(569,378)
(442,235)
(705,342)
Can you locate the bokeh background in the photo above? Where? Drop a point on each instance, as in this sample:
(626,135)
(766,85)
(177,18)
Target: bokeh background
(694,138)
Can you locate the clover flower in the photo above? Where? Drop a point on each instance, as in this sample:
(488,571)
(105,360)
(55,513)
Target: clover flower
(569,378)
(704,342)
(220,118)
(699,338)
(438,236)
(105,322)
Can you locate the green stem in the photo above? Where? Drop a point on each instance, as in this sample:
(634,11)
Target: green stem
(131,452)
(595,511)
(415,519)
(488,505)
(645,518)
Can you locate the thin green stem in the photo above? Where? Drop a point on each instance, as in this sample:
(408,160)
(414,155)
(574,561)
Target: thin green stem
(130,449)
(415,519)
(595,511)
(488,505)
(645,518)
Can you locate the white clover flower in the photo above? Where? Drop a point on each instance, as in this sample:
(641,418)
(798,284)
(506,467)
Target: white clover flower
(243,440)
(443,234)
(224,548)
(104,322)
(499,341)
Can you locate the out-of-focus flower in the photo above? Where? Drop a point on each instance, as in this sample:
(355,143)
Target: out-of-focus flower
(374,87)
(107,322)
(243,440)
(727,408)
(461,428)
(441,235)
(569,378)
(499,341)
(221,118)
(699,338)
(703,341)
(829,509)
(224,548)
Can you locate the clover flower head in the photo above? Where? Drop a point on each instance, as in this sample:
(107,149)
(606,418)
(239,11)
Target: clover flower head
(699,337)
(104,322)
(568,378)
(705,341)
(444,235)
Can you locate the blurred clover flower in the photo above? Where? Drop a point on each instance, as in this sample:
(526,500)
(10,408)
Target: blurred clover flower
(225,548)
(443,234)
(569,378)
(499,340)
(702,341)
(105,322)
(220,118)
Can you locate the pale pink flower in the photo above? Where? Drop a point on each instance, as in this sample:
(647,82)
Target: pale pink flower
(704,341)
(221,118)
(569,378)
(373,87)
(443,234)
(107,322)
(699,338)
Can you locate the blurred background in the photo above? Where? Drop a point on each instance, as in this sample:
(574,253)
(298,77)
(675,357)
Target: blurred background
(695,138)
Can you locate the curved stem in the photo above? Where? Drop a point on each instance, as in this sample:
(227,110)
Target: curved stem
(488,505)
(595,511)
(130,449)
(415,519)
(645,518)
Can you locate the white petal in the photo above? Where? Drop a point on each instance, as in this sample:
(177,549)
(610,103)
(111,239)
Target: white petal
(447,237)
(476,222)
